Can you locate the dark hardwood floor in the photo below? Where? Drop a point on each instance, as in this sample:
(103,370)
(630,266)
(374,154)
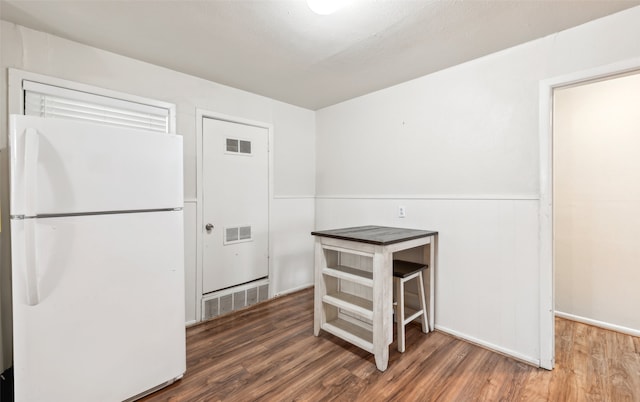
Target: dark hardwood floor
(268,353)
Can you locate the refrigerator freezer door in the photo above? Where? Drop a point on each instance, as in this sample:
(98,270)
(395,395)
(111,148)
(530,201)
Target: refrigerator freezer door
(108,322)
(68,167)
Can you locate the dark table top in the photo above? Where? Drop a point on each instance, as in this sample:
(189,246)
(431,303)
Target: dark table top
(380,235)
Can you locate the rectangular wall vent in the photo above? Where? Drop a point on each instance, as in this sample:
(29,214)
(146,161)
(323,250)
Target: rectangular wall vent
(234,299)
(263,292)
(226,304)
(211,308)
(252,296)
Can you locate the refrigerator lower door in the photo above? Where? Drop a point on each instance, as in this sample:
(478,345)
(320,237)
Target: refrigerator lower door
(99,316)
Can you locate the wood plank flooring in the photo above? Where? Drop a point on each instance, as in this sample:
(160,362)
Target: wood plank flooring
(268,353)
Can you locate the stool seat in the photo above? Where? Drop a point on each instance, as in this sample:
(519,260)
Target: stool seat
(404,271)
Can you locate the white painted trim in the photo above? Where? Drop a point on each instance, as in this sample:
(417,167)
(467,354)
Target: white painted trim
(201,114)
(199,225)
(16,96)
(293,290)
(190,201)
(545,237)
(453,197)
(294,197)
(546,266)
(16,105)
(601,324)
(490,346)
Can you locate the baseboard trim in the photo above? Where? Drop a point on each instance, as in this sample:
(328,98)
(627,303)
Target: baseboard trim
(293,290)
(601,324)
(486,345)
(435,197)
(294,197)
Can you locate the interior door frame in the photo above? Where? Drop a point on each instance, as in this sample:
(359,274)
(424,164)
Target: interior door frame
(546,235)
(200,115)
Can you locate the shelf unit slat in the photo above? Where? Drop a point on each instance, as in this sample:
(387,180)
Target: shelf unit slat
(354,304)
(350,333)
(350,274)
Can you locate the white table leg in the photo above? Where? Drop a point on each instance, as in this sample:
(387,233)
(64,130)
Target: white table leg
(433,261)
(317,291)
(382,307)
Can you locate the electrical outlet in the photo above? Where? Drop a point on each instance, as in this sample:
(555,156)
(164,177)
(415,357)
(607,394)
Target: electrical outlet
(402,212)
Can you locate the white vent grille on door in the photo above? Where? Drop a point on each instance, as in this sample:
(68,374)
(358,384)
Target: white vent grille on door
(245,232)
(237,234)
(245,147)
(231,235)
(232,145)
(236,146)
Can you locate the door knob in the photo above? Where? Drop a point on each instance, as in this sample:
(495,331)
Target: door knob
(209,227)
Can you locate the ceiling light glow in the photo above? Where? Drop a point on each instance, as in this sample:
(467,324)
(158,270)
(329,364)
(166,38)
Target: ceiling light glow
(326,7)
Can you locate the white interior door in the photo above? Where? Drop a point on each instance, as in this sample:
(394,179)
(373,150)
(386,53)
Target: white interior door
(235,167)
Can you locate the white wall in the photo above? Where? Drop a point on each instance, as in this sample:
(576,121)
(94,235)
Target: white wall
(459,148)
(294,143)
(597,202)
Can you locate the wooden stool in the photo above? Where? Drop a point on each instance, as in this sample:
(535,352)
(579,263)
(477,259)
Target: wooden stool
(404,271)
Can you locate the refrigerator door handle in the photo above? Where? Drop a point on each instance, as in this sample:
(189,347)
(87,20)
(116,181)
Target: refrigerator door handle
(31,151)
(31,276)
(31,155)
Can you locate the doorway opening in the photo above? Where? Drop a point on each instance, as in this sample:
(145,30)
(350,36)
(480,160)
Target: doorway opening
(596,202)
(547,215)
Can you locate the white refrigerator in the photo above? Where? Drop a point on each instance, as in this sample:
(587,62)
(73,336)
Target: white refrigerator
(97,260)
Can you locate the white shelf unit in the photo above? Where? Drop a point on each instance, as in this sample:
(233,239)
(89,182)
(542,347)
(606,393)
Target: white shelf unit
(346,286)
(353,296)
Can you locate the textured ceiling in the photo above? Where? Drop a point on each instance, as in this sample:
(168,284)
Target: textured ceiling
(282,50)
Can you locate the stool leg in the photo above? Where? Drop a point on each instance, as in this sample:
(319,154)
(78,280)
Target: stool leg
(400,313)
(423,303)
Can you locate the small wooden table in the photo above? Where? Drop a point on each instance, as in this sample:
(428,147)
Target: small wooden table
(354,283)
